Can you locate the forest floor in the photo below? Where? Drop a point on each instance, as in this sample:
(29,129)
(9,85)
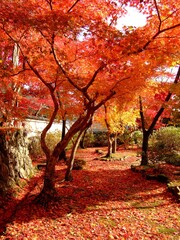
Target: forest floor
(105,201)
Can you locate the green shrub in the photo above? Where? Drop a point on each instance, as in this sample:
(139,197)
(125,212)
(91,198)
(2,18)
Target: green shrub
(125,138)
(52,139)
(89,139)
(137,137)
(35,147)
(164,145)
(100,139)
(79,164)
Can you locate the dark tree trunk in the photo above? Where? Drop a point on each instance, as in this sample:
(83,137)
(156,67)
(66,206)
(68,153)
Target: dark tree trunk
(63,153)
(111,136)
(144,159)
(48,192)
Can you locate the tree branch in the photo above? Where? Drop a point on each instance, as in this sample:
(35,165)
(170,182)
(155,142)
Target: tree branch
(84,89)
(156,35)
(112,93)
(73,6)
(158,13)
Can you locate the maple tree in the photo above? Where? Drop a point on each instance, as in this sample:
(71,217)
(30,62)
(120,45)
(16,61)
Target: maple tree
(82,53)
(117,117)
(148,128)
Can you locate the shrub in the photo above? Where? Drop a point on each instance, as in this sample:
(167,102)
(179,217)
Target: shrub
(164,145)
(137,137)
(79,164)
(89,139)
(34,146)
(100,139)
(125,138)
(52,139)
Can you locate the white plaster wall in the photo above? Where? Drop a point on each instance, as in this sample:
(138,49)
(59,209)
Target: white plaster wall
(35,127)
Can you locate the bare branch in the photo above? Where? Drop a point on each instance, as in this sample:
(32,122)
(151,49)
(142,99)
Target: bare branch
(62,69)
(50,3)
(102,102)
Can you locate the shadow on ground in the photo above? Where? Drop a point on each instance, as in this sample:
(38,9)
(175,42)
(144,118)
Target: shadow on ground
(89,188)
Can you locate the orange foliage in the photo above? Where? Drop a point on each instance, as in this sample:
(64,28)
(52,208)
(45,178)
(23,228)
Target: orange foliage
(70,46)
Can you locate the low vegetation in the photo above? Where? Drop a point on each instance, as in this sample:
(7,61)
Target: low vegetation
(164,146)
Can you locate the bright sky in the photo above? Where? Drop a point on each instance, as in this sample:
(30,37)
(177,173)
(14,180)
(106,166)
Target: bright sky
(132,18)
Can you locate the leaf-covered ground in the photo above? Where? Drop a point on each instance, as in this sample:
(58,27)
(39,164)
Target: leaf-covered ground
(105,201)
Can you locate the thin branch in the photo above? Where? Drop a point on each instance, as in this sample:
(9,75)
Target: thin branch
(60,66)
(21,71)
(102,102)
(171,14)
(158,13)
(121,80)
(48,85)
(84,89)
(44,36)
(73,6)
(156,35)
(50,3)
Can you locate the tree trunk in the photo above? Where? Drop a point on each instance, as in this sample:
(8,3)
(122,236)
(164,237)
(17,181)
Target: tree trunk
(82,140)
(114,144)
(68,175)
(110,145)
(63,153)
(15,162)
(144,158)
(48,191)
(89,108)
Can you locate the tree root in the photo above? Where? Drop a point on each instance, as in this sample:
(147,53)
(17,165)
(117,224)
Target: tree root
(47,197)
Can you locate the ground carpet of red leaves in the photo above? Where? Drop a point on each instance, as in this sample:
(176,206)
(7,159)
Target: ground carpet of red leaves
(105,201)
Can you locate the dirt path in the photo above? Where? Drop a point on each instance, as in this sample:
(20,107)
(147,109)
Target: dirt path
(105,201)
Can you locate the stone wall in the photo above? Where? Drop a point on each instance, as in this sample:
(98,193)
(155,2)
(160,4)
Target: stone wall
(15,162)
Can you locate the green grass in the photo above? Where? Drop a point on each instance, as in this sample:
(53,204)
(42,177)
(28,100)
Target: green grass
(142,205)
(108,222)
(165,230)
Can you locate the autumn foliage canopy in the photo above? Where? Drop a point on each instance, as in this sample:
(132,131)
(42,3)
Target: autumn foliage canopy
(71,56)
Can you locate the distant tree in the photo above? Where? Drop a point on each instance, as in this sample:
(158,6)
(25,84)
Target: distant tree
(147,130)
